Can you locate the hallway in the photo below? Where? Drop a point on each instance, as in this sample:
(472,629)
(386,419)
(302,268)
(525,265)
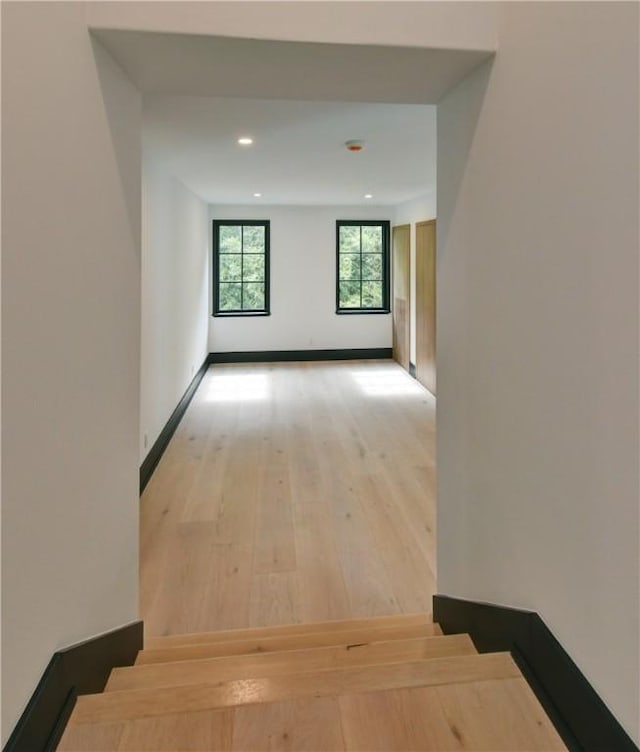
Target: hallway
(292,492)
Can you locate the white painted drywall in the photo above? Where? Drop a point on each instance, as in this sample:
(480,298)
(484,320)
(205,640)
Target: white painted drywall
(70,339)
(303,285)
(175,288)
(537,349)
(441,25)
(538,334)
(420,209)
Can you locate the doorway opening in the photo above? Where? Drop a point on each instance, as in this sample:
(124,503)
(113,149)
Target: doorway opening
(181,534)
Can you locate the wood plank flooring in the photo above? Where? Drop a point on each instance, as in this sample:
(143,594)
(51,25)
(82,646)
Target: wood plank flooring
(274,644)
(292,492)
(166,700)
(486,715)
(302,496)
(225,668)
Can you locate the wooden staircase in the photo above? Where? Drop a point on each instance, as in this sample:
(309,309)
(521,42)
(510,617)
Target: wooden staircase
(387,683)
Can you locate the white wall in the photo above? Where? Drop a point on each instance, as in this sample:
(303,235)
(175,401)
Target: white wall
(303,285)
(537,320)
(441,25)
(70,339)
(538,334)
(175,288)
(419,209)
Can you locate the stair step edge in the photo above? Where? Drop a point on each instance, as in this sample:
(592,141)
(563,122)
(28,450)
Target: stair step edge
(234,635)
(278,663)
(284,642)
(128,705)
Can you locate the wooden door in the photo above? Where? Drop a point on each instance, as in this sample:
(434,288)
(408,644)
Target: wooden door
(426,304)
(401,294)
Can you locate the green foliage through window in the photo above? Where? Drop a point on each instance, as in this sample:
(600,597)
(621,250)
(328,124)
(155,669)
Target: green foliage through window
(241,267)
(362,266)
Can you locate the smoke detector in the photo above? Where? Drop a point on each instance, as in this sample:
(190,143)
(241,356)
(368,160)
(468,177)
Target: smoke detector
(354,145)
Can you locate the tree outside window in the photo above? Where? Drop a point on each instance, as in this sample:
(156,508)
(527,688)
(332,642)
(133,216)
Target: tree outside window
(362,259)
(241,267)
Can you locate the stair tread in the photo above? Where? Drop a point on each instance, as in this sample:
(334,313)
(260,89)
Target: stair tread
(500,714)
(234,635)
(130,704)
(283,662)
(286,642)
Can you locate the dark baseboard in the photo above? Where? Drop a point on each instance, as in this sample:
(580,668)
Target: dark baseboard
(271,356)
(157,450)
(412,369)
(581,718)
(78,670)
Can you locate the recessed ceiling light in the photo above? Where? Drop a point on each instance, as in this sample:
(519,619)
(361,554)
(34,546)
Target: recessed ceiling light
(245,141)
(368,195)
(257,195)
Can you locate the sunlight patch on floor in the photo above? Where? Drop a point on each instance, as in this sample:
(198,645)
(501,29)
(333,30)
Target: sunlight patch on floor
(385,382)
(247,387)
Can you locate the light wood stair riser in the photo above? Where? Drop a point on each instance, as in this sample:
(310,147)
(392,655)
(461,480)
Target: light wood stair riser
(126,705)
(210,670)
(284,630)
(285,642)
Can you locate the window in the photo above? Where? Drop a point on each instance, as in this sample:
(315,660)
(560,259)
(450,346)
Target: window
(362,266)
(240,267)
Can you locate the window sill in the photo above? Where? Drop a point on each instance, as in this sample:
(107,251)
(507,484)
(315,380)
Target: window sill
(360,311)
(239,314)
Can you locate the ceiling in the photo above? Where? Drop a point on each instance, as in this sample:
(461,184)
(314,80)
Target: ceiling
(300,101)
(298,155)
(197,65)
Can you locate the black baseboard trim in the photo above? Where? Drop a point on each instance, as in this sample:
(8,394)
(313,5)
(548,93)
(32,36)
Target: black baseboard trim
(157,450)
(581,718)
(272,356)
(77,670)
(412,369)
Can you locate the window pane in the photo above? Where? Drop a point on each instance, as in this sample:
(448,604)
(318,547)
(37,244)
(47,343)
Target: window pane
(229,297)
(253,293)
(350,294)
(349,239)
(372,239)
(252,239)
(253,268)
(231,268)
(349,266)
(372,294)
(230,239)
(372,266)
(241,261)
(362,273)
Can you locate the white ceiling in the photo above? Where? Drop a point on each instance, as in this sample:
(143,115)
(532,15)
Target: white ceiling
(198,65)
(300,101)
(298,155)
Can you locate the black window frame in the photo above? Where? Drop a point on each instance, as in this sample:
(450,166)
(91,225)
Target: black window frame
(216,225)
(385,225)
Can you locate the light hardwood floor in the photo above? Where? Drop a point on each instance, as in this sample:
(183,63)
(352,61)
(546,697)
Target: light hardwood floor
(292,492)
(483,715)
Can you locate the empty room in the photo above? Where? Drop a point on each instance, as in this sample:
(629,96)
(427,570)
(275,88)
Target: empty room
(300,485)
(319,382)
